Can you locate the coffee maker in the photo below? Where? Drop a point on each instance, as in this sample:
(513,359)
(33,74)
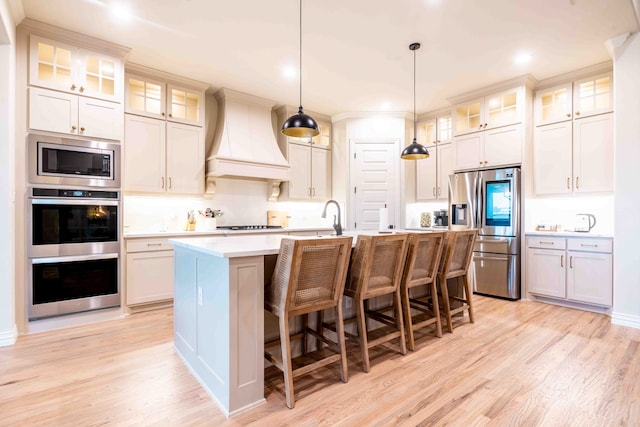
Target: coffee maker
(441,217)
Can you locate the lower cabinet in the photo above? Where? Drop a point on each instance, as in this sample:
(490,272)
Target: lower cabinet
(149,271)
(572,268)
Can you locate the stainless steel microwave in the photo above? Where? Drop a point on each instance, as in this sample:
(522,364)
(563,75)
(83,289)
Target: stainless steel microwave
(64,161)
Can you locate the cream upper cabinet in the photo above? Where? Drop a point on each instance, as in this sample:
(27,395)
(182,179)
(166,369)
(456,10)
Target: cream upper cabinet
(163,157)
(158,99)
(499,109)
(66,113)
(493,147)
(574,156)
(435,130)
(432,173)
(573,100)
(67,68)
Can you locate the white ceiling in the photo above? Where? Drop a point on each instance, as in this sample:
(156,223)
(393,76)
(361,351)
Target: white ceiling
(355,52)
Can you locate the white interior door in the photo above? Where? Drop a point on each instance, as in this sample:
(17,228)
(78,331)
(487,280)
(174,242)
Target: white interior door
(375,182)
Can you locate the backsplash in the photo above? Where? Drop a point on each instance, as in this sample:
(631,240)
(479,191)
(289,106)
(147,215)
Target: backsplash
(241,201)
(563,210)
(413,211)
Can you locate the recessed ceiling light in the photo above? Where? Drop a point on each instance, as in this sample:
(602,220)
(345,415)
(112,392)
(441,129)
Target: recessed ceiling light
(121,11)
(523,58)
(386,105)
(289,72)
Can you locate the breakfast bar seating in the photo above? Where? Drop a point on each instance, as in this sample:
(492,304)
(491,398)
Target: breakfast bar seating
(421,268)
(376,269)
(455,265)
(309,277)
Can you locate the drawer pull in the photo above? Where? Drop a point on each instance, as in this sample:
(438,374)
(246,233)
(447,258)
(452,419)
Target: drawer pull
(561,260)
(545,243)
(589,246)
(154,244)
(571,262)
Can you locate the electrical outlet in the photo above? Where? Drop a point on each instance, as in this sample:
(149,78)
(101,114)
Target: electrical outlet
(200,296)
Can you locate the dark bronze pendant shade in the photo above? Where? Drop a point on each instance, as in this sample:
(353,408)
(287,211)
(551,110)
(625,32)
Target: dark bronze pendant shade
(414,151)
(300,125)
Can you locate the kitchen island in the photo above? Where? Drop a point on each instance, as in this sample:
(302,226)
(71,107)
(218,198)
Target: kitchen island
(219,314)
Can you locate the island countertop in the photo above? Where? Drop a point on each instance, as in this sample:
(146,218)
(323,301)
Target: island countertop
(235,247)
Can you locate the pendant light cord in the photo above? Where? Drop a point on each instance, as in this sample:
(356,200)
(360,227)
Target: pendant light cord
(415,124)
(300,56)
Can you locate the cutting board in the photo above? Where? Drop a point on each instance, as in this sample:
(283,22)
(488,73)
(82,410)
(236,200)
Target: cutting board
(280,218)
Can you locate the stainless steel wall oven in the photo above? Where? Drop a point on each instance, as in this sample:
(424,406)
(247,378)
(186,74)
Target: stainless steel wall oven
(73,250)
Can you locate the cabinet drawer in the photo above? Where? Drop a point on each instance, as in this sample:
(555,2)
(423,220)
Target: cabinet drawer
(590,245)
(546,242)
(146,245)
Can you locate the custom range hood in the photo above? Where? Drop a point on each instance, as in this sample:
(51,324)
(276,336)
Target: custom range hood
(244,145)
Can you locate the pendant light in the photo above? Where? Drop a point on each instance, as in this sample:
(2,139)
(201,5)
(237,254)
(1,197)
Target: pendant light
(300,125)
(414,151)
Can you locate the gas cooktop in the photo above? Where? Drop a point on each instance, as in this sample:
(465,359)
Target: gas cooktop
(248,227)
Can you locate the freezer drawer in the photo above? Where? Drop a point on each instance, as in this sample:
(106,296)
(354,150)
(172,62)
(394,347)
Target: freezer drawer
(497,275)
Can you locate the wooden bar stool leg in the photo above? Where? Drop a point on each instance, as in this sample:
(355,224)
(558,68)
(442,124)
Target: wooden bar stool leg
(436,309)
(305,325)
(362,332)
(399,321)
(407,318)
(444,290)
(467,291)
(320,329)
(285,344)
(344,375)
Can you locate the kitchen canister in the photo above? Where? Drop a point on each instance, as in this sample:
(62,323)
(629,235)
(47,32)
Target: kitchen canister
(425,219)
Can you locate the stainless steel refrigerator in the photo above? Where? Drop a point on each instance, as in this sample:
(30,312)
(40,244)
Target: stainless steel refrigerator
(489,201)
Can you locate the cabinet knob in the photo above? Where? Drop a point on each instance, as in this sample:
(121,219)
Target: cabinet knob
(73,127)
(162,114)
(81,89)
(485,125)
(81,129)
(480,161)
(73,87)
(485,162)
(577,113)
(568,114)
(170,115)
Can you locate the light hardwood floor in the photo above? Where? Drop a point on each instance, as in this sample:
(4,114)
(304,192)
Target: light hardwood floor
(521,364)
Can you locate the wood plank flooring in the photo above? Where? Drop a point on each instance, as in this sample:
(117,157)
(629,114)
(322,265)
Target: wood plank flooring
(521,364)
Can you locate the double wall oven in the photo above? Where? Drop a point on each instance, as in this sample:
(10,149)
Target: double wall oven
(73,226)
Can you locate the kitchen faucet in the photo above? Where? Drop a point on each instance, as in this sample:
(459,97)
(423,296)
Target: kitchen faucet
(336,225)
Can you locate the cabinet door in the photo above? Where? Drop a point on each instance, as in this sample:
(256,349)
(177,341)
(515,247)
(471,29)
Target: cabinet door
(299,158)
(53,65)
(468,151)
(590,278)
(185,159)
(100,76)
(149,277)
(320,174)
(503,146)
(324,138)
(53,111)
(552,154)
(185,105)
(468,117)
(593,95)
(504,108)
(426,176)
(554,104)
(144,154)
(593,153)
(427,133)
(145,96)
(99,119)
(444,129)
(546,272)
(445,168)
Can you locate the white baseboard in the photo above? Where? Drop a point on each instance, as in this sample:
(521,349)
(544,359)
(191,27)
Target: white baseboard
(9,337)
(622,319)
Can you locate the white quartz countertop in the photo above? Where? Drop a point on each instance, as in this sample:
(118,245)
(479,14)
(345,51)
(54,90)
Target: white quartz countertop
(569,234)
(222,233)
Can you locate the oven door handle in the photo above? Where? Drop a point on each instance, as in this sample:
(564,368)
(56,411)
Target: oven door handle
(51,260)
(75,202)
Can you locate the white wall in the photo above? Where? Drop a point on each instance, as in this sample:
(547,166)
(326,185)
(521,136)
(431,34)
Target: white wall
(626,265)
(8,330)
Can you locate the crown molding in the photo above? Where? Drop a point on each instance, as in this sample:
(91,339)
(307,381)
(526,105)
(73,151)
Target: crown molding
(526,80)
(601,68)
(370,114)
(289,110)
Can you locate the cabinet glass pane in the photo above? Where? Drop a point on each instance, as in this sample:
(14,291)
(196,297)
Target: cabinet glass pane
(63,75)
(503,108)
(153,106)
(192,107)
(45,72)
(445,130)
(468,116)
(587,95)
(108,68)
(554,104)
(154,91)
(93,65)
(108,86)
(63,58)
(603,97)
(45,53)
(136,102)
(429,133)
(93,83)
(136,88)
(178,102)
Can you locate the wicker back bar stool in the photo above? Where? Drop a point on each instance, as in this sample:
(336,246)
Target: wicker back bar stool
(455,265)
(309,277)
(376,269)
(421,269)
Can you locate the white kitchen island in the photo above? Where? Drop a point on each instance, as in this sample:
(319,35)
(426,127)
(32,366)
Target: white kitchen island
(219,314)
